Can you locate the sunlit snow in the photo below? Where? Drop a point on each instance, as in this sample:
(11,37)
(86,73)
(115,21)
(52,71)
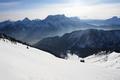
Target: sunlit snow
(19,63)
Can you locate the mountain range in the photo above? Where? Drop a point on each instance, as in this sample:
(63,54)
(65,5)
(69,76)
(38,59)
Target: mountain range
(61,35)
(114,21)
(32,31)
(82,43)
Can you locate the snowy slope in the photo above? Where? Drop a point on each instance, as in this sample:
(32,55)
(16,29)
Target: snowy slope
(111,60)
(19,63)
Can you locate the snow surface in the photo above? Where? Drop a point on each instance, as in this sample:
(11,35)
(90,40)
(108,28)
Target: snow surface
(19,63)
(110,60)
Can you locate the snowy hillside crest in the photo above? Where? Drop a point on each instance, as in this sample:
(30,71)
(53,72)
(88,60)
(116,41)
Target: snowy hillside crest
(19,63)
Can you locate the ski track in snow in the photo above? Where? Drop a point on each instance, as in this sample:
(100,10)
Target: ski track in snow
(19,63)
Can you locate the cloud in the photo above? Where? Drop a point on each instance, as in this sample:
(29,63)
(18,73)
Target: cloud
(33,3)
(94,2)
(64,1)
(90,12)
(18,9)
(9,1)
(109,1)
(6,6)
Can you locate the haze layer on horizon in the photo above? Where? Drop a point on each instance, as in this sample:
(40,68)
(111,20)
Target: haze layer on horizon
(85,9)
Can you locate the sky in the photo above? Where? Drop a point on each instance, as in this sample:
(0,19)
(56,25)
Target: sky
(84,9)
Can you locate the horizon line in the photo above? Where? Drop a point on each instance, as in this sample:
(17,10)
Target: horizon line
(20,19)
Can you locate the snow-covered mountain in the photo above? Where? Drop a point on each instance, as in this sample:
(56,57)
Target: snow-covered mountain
(22,62)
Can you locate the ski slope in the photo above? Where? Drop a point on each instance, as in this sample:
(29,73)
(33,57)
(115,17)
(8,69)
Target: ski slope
(19,63)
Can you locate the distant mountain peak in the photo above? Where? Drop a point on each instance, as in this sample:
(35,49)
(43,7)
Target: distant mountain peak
(114,18)
(113,21)
(55,17)
(26,19)
(75,18)
(59,15)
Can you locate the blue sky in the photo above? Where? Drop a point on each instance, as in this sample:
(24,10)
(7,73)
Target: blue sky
(18,9)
